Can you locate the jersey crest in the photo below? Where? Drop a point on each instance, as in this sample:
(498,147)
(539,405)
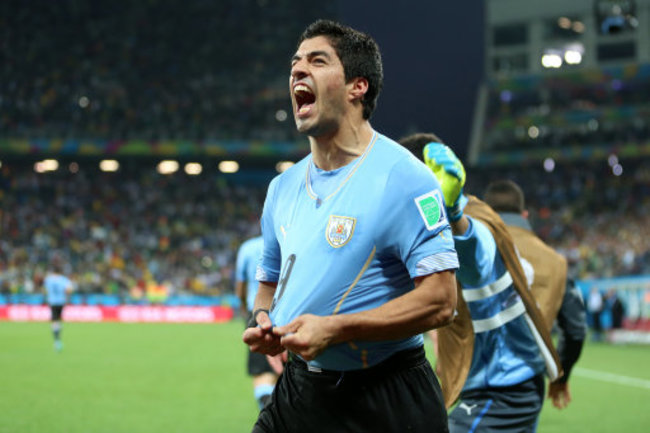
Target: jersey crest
(339,230)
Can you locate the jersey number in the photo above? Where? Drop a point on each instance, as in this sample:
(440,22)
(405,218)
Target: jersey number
(284,278)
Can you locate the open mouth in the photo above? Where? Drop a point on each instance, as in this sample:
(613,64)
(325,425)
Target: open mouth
(305,98)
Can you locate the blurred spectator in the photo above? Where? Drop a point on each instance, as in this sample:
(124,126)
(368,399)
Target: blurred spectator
(616,308)
(595,308)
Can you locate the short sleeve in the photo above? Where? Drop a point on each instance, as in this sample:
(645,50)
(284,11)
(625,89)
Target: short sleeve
(268,269)
(414,223)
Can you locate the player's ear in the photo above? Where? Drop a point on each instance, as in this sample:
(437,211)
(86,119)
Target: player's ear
(357,88)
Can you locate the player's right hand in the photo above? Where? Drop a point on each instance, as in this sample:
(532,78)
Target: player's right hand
(307,335)
(450,173)
(261,339)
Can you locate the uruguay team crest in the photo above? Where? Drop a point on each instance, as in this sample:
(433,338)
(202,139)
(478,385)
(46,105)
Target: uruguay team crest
(339,230)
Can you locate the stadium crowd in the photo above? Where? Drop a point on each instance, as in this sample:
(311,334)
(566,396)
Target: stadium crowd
(125,233)
(122,232)
(167,70)
(598,220)
(155,70)
(595,210)
(581,108)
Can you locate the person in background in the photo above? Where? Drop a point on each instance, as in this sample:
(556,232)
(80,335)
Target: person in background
(616,307)
(495,353)
(595,306)
(258,367)
(57,288)
(544,268)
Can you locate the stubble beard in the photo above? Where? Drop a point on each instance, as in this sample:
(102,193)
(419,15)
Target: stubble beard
(317,129)
(321,124)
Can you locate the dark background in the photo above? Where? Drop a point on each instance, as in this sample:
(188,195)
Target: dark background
(137,62)
(433,55)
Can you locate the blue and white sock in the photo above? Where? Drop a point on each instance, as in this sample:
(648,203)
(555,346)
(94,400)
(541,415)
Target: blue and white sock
(262,394)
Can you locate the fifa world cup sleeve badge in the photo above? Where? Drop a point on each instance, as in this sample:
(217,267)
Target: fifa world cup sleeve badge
(339,230)
(432,210)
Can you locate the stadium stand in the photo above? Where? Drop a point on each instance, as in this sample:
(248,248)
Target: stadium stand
(578,142)
(586,108)
(564,112)
(155,70)
(597,219)
(166,78)
(85,80)
(126,233)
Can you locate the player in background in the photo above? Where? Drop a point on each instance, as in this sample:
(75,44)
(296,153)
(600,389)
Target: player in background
(546,268)
(57,287)
(358,258)
(495,353)
(264,376)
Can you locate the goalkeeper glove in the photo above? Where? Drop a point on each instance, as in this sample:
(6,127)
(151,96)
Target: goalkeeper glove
(450,173)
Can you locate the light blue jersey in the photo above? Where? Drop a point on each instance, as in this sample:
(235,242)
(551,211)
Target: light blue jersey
(248,257)
(505,350)
(55,287)
(352,239)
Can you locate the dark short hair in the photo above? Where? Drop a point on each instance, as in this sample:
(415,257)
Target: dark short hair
(416,143)
(504,196)
(358,53)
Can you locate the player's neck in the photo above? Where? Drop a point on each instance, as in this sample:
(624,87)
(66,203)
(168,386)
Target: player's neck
(339,149)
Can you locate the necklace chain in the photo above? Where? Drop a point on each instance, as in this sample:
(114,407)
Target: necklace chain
(313,194)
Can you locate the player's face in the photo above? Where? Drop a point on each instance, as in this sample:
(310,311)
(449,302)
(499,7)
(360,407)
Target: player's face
(318,89)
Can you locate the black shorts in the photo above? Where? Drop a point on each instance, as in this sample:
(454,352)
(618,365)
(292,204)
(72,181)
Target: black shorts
(57,312)
(257,363)
(400,394)
(513,409)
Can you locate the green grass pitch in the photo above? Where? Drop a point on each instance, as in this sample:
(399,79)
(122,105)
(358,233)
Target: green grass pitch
(186,378)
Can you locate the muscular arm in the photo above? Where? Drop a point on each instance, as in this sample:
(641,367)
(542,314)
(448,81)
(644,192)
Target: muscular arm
(429,305)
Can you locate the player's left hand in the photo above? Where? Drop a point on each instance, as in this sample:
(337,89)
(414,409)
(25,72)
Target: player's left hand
(559,394)
(261,339)
(307,335)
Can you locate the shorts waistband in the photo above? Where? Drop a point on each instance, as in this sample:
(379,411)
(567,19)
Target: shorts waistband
(398,361)
(534,384)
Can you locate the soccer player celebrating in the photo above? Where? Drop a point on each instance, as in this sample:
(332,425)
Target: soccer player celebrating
(358,258)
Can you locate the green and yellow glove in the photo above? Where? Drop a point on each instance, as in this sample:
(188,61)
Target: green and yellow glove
(450,173)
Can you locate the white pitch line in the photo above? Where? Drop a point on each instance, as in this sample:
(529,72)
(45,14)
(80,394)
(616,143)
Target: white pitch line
(612,378)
